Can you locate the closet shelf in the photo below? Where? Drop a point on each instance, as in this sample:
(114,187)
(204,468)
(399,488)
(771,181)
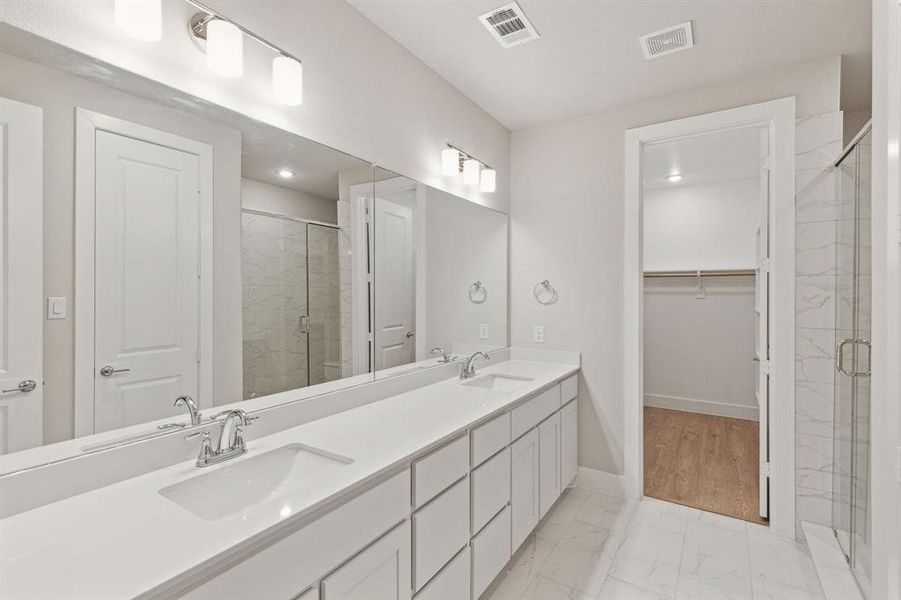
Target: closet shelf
(703,273)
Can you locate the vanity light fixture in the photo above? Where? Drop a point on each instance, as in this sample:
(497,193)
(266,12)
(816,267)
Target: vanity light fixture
(488,181)
(224,49)
(287,80)
(223,41)
(140,19)
(454,161)
(450,161)
(674,178)
(285,173)
(471,169)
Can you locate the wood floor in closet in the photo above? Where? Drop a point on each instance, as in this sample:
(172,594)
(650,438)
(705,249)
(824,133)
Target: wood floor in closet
(703,461)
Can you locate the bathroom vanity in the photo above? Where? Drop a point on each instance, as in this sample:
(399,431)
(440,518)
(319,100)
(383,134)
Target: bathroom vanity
(425,495)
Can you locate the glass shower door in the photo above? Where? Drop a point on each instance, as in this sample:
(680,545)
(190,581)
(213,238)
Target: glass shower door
(851,477)
(324,304)
(275,304)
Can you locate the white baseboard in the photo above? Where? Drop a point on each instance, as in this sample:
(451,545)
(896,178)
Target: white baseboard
(601,481)
(704,407)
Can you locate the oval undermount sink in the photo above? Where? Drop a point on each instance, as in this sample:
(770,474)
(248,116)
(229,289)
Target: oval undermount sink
(497,382)
(230,489)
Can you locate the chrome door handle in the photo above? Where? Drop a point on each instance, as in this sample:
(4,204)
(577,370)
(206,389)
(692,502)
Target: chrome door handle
(410,334)
(29,385)
(304,324)
(108,371)
(840,357)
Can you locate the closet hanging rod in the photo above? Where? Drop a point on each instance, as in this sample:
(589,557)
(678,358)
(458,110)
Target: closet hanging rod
(702,273)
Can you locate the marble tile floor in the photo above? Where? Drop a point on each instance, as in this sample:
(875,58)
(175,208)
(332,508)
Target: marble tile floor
(594,546)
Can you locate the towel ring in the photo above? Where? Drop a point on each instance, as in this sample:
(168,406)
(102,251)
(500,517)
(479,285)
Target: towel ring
(544,292)
(477,293)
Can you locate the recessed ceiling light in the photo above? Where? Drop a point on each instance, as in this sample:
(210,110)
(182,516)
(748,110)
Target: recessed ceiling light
(674,178)
(285,173)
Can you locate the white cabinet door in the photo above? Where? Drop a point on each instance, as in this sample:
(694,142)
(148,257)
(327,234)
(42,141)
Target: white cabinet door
(569,443)
(21,283)
(380,572)
(524,487)
(549,462)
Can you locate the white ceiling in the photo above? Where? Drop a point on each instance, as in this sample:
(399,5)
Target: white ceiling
(589,58)
(721,156)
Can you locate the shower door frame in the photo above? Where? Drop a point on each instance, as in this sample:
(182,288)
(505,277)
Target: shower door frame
(779,117)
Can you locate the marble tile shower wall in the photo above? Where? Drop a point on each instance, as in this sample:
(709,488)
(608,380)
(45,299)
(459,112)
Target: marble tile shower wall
(818,141)
(274,290)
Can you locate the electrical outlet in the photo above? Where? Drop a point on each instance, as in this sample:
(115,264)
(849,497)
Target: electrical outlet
(538,334)
(483,331)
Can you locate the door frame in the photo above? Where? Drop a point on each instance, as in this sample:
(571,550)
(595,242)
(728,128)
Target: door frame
(87,124)
(779,117)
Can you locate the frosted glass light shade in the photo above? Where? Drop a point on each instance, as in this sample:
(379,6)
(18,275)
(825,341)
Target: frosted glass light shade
(140,19)
(450,161)
(471,171)
(224,49)
(287,81)
(488,181)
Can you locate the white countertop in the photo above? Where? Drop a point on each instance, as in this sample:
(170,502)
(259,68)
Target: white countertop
(126,539)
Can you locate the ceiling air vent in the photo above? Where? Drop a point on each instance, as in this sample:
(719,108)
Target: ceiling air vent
(666,41)
(509,25)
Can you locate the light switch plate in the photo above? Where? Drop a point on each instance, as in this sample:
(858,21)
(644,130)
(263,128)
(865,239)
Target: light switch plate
(538,334)
(56,308)
(483,331)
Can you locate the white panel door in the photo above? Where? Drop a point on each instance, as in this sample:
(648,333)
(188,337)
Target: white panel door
(548,462)
(147,276)
(761,308)
(524,487)
(394,285)
(21,276)
(380,572)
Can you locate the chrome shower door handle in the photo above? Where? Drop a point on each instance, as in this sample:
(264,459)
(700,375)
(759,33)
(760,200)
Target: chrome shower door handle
(840,357)
(869,348)
(108,371)
(28,385)
(304,324)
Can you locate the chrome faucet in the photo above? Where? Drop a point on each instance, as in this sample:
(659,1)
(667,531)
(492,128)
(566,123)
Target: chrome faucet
(195,415)
(230,443)
(468,369)
(445,357)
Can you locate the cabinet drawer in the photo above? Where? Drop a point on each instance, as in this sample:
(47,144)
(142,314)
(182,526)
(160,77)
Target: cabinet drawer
(302,557)
(489,438)
(380,571)
(440,529)
(490,489)
(490,552)
(434,473)
(452,583)
(534,411)
(569,388)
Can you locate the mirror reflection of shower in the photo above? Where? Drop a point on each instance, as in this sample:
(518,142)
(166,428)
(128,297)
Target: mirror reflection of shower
(291,300)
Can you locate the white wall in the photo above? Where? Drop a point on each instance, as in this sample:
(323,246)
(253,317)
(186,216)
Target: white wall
(703,226)
(698,352)
(259,195)
(58,94)
(363,92)
(567,222)
(464,244)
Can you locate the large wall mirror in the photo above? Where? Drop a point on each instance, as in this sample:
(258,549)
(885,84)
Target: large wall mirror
(157,246)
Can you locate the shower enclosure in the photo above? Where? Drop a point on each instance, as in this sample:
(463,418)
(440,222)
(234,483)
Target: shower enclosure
(851,476)
(291,303)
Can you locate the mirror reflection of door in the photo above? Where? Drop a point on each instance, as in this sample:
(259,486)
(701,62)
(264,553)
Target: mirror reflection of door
(395,289)
(147,269)
(21,284)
